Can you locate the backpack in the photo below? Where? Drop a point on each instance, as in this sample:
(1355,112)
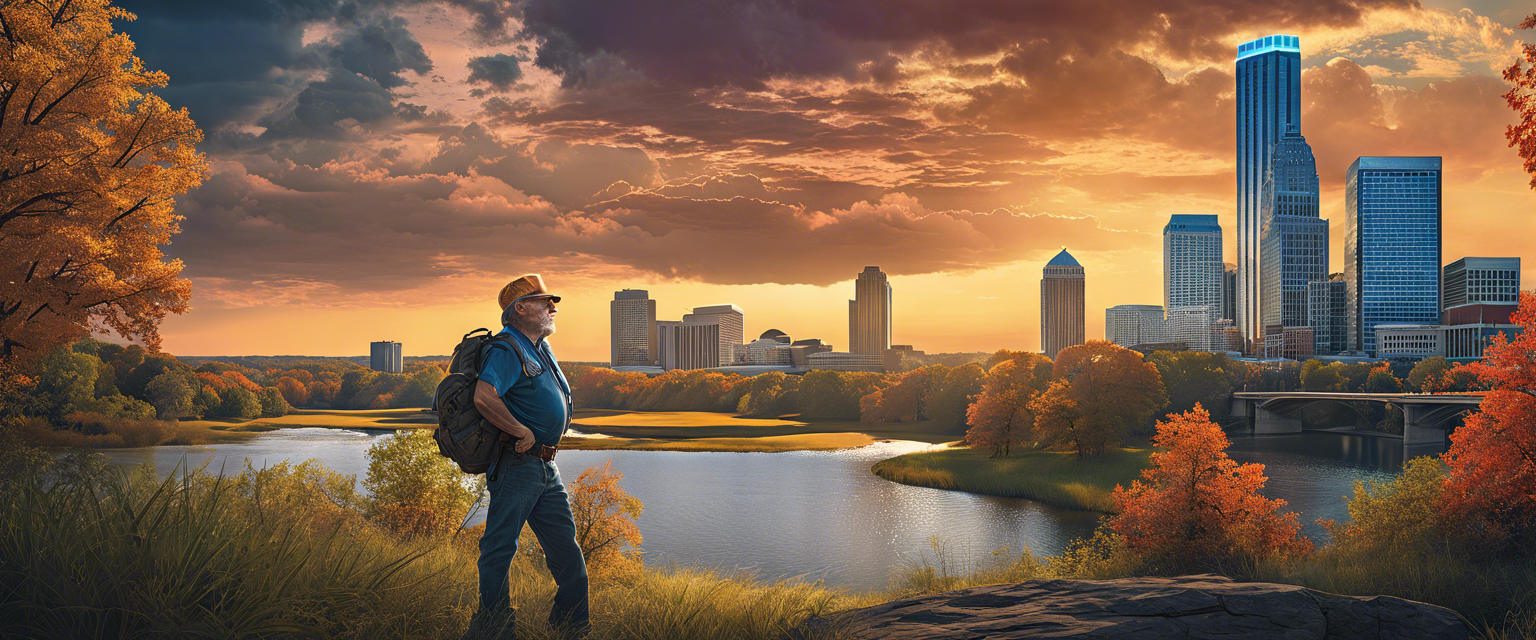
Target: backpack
(462,434)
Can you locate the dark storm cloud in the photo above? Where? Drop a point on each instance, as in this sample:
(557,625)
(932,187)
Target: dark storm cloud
(568,174)
(380,50)
(500,71)
(317,110)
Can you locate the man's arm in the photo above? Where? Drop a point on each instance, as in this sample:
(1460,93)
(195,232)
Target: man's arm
(492,409)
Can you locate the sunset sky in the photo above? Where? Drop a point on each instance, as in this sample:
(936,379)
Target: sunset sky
(380,169)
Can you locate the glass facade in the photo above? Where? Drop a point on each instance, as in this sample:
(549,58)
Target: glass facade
(1391,245)
(1192,278)
(1482,281)
(1293,240)
(1325,314)
(1268,105)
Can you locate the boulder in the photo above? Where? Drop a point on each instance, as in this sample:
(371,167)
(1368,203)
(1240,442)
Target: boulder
(1200,606)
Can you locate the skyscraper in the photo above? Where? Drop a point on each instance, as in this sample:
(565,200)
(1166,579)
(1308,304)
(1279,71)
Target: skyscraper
(1192,277)
(1326,312)
(384,356)
(1482,281)
(1391,245)
(1293,240)
(632,329)
(1268,105)
(732,323)
(1131,324)
(871,333)
(1229,293)
(1061,304)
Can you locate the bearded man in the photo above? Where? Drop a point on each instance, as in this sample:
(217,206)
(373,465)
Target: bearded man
(527,396)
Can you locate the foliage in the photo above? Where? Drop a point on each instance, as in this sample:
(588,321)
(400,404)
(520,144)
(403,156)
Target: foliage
(1427,372)
(1052,477)
(416,491)
(1381,380)
(948,403)
(1001,416)
(1196,377)
(273,405)
(906,400)
(1198,507)
(239,403)
(1113,394)
(1490,496)
(770,395)
(1397,516)
(91,164)
(67,381)
(605,523)
(1522,98)
(172,396)
(121,406)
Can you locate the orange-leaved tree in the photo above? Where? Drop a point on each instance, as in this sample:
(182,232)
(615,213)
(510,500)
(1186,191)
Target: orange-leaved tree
(1106,392)
(1197,506)
(89,165)
(605,522)
(1000,415)
(1490,495)
(1522,98)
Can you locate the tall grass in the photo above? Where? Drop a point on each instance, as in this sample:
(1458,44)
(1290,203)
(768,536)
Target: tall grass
(92,552)
(91,431)
(1052,477)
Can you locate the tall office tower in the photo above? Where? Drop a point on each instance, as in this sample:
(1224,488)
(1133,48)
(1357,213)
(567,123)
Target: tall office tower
(1326,315)
(1131,324)
(632,325)
(1229,292)
(1293,240)
(696,345)
(1391,244)
(732,324)
(1482,281)
(384,356)
(853,325)
(1192,278)
(1268,105)
(872,305)
(1061,304)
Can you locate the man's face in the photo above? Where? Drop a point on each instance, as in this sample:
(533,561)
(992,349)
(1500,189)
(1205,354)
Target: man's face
(538,313)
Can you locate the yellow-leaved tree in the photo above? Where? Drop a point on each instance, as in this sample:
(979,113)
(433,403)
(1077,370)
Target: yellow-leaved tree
(89,165)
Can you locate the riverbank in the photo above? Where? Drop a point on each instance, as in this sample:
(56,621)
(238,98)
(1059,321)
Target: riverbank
(1053,477)
(706,431)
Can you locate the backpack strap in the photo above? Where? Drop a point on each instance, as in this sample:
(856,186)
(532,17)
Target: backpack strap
(530,369)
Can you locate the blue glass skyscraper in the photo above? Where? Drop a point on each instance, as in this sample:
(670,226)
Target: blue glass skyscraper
(1391,245)
(1268,105)
(1293,240)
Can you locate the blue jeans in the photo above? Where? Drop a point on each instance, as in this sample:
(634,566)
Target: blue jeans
(527,489)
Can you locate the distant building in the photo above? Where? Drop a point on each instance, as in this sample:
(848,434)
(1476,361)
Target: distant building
(1061,304)
(1326,309)
(1460,342)
(1293,343)
(1131,324)
(689,345)
(1293,240)
(1192,278)
(1268,82)
(732,323)
(800,351)
(844,361)
(1478,290)
(632,328)
(869,328)
(1229,292)
(385,356)
(1391,245)
(771,348)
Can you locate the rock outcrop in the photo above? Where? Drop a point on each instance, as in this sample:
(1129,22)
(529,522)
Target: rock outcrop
(1202,606)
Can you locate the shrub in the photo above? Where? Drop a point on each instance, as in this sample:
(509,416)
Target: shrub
(416,490)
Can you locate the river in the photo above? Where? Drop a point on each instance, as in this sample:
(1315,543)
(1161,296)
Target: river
(823,515)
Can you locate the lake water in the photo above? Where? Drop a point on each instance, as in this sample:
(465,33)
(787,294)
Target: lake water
(823,515)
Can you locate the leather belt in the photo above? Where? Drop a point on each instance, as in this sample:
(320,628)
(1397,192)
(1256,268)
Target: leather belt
(541,452)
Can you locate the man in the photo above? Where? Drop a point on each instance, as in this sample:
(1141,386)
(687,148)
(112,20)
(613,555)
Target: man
(526,396)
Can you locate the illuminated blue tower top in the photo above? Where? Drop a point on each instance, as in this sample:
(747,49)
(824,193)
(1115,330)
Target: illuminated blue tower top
(1268,105)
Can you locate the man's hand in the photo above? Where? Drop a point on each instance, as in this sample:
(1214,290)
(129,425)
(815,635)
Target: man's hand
(492,409)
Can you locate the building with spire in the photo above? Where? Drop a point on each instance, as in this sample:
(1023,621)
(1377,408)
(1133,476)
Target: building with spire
(1293,241)
(1268,105)
(1062,304)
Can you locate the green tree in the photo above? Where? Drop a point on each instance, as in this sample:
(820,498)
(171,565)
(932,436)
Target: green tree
(415,489)
(67,381)
(824,396)
(273,405)
(171,394)
(121,406)
(1194,377)
(208,402)
(239,403)
(949,403)
(1427,373)
(1381,380)
(137,382)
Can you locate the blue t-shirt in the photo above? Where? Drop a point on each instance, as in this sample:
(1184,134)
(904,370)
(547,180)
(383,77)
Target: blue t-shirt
(542,402)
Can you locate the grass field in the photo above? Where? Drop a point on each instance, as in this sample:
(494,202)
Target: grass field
(325,419)
(705,431)
(1052,477)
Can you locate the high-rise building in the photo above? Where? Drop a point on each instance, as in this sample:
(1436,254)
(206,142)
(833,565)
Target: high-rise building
(1131,324)
(1326,312)
(1268,105)
(1391,245)
(632,328)
(732,323)
(1192,278)
(869,329)
(1293,240)
(1061,304)
(1229,293)
(1482,281)
(384,356)
(696,345)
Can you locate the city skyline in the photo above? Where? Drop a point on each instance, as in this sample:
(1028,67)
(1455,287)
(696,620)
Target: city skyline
(959,158)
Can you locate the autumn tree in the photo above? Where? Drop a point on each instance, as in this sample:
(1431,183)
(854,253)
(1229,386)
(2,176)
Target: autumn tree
(605,523)
(1195,506)
(90,163)
(948,403)
(415,489)
(1194,377)
(1114,391)
(1490,495)
(1000,416)
(1522,98)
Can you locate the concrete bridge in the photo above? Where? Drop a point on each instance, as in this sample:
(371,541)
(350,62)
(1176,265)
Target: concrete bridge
(1426,416)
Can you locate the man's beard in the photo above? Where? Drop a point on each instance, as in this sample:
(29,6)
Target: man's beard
(545,328)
